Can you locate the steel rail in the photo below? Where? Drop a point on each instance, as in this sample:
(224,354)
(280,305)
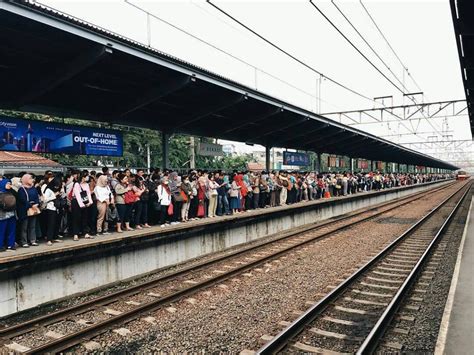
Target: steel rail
(373,339)
(282,339)
(50,318)
(72,339)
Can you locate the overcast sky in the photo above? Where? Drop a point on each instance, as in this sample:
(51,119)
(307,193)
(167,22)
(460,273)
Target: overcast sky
(421,33)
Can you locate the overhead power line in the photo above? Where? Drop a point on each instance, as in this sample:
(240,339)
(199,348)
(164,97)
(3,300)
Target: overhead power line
(370,62)
(368,44)
(405,68)
(354,46)
(287,53)
(221,50)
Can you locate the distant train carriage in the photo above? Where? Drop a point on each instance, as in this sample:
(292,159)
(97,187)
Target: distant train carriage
(462,175)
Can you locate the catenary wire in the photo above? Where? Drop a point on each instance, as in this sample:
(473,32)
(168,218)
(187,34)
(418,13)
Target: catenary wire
(287,53)
(354,46)
(368,44)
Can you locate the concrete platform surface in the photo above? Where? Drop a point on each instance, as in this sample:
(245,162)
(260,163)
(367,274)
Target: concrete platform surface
(68,244)
(457,329)
(38,275)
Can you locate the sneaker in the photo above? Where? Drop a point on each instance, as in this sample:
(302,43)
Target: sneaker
(105,233)
(76,238)
(138,227)
(11,249)
(25,246)
(163,225)
(34,244)
(49,243)
(57,241)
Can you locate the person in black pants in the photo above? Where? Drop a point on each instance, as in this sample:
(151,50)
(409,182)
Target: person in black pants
(51,194)
(80,206)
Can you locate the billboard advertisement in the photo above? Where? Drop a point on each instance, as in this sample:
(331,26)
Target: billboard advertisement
(297,159)
(362,164)
(48,137)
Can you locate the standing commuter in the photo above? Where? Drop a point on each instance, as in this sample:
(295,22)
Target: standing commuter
(52,199)
(123,208)
(104,198)
(7,219)
(164,198)
(80,207)
(28,200)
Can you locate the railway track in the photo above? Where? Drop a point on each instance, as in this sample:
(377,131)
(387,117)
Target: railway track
(355,315)
(159,292)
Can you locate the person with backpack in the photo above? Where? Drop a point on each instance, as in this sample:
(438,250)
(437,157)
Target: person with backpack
(28,210)
(81,201)
(7,216)
(52,201)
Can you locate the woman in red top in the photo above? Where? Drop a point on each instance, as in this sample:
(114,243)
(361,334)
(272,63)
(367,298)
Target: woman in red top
(243,190)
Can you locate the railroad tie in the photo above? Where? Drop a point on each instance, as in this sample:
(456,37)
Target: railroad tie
(329,334)
(344,322)
(18,348)
(311,349)
(379,286)
(373,294)
(122,331)
(360,301)
(91,345)
(354,311)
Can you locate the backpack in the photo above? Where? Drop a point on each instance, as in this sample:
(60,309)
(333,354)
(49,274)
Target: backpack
(7,201)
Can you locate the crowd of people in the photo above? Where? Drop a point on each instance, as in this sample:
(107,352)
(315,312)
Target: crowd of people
(86,204)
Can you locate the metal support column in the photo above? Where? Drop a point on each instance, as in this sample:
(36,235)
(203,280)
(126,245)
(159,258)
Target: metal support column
(319,163)
(267,158)
(165,138)
(352,165)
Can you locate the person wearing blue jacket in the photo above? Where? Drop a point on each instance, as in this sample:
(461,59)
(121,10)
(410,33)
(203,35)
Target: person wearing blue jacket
(27,197)
(7,221)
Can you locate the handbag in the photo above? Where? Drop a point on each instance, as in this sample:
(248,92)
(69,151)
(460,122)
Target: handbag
(170,209)
(129,197)
(183,195)
(200,212)
(33,210)
(60,203)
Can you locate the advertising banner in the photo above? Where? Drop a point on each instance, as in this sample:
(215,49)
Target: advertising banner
(210,149)
(362,164)
(48,137)
(297,159)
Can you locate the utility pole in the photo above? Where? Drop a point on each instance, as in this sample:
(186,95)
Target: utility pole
(192,160)
(148,160)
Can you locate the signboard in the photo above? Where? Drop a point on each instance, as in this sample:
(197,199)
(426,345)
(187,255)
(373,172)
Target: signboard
(362,164)
(47,137)
(296,159)
(210,149)
(336,162)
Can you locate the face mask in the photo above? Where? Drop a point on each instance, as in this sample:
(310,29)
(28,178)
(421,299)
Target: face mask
(166,182)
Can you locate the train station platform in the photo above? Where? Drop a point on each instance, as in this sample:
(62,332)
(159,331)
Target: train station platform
(39,275)
(456,334)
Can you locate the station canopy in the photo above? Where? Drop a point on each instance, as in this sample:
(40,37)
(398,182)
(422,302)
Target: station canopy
(56,64)
(463,20)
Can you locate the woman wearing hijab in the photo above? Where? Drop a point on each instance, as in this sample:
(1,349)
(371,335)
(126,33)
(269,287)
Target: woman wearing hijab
(7,221)
(50,194)
(27,198)
(235,193)
(104,198)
